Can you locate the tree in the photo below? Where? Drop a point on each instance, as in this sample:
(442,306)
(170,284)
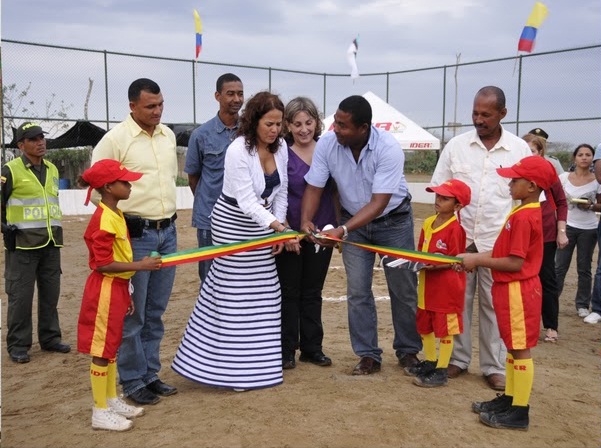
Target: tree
(17,102)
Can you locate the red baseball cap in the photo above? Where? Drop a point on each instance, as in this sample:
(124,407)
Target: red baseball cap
(107,171)
(453,188)
(532,168)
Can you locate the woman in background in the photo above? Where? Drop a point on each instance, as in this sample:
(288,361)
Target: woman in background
(303,273)
(583,193)
(233,335)
(555,214)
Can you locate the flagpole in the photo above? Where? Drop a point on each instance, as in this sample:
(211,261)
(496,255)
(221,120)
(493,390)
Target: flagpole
(515,64)
(194,89)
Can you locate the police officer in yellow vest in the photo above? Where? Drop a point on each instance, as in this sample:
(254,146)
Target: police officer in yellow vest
(32,231)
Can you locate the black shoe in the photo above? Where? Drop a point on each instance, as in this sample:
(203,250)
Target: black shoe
(59,347)
(159,388)
(434,378)
(516,417)
(19,356)
(288,361)
(501,403)
(421,368)
(143,396)
(317,358)
(408,360)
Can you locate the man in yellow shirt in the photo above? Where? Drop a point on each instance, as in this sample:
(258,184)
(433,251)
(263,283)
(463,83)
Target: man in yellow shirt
(142,144)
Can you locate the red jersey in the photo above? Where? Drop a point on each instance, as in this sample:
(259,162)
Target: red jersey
(106,295)
(107,239)
(441,290)
(521,236)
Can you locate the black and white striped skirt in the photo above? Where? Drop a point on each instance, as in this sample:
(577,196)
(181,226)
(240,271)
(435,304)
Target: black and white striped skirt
(233,335)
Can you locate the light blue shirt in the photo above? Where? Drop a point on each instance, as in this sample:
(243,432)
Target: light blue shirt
(205,158)
(379,170)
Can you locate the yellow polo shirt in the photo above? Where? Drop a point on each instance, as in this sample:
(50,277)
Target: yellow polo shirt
(153,196)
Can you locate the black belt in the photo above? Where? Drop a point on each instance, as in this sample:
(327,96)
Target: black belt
(159,223)
(234,202)
(395,211)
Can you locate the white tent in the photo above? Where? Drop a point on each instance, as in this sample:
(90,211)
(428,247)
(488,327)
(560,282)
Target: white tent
(409,134)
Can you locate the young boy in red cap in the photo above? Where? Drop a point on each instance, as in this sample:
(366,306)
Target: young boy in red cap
(106,297)
(441,289)
(517,294)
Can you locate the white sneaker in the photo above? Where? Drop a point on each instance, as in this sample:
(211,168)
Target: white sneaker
(583,312)
(109,420)
(237,389)
(593,318)
(122,408)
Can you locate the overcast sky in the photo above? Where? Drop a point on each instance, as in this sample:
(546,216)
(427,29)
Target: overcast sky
(309,35)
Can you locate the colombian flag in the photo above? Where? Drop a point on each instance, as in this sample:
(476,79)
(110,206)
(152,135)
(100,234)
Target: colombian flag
(537,16)
(198,25)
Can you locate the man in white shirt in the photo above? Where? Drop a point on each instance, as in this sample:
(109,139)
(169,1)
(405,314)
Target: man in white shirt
(473,157)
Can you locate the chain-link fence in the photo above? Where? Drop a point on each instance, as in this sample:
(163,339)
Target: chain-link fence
(57,85)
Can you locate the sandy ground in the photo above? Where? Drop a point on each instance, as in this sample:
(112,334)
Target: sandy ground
(47,403)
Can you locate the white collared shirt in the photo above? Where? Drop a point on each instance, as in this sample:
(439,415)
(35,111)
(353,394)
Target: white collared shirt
(466,158)
(244,180)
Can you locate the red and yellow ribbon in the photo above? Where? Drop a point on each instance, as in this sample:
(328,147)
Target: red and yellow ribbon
(411,255)
(210,252)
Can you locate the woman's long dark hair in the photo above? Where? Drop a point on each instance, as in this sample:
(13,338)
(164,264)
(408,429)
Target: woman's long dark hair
(256,107)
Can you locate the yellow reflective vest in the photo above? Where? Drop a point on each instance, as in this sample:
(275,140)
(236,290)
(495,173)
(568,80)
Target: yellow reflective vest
(33,208)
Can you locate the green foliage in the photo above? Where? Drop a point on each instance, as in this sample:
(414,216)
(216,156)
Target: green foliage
(420,162)
(71,163)
(181,182)
(564,157)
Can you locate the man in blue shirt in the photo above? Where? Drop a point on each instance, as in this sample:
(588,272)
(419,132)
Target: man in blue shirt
(206,156)
(367,165)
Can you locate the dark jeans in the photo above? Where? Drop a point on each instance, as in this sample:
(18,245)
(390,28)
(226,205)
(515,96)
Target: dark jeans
(301,281)
(24,270)
(596,296)
(584,242)
(550,311)
(204,238)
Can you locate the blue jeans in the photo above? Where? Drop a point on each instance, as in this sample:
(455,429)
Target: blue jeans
(584,241)
(138,359)
(596,296)
(393,231)
(204,239)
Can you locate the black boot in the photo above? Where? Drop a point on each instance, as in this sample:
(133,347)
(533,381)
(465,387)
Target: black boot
(288,361)
(434,378)
(501,403)
(516,417)
(421,368)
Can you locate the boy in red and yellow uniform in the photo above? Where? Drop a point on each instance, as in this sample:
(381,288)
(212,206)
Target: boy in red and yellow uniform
(517,294)
(441,289)
(106,298)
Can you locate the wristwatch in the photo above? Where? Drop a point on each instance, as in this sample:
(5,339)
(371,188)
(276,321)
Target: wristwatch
(345,232)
